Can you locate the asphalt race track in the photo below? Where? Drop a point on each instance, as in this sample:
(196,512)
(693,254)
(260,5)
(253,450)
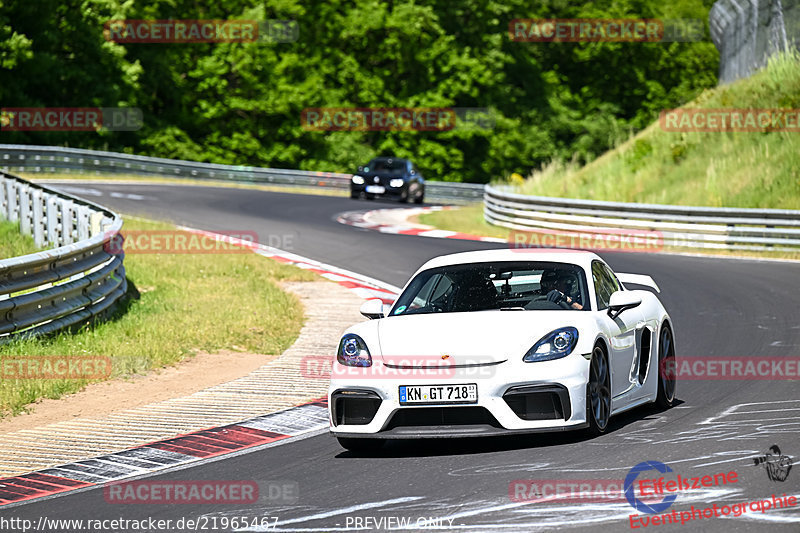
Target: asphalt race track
(719,307)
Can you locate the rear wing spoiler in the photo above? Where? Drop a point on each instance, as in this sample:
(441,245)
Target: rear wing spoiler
(638,279)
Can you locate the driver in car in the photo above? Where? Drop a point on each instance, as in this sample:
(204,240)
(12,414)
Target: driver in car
(554,285)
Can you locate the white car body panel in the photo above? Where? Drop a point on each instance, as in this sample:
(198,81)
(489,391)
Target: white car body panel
(494,343)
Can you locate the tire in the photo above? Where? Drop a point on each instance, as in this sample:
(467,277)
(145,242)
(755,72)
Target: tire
(411,193)
(360,445)
(355,195)
(666,369)
(598,393)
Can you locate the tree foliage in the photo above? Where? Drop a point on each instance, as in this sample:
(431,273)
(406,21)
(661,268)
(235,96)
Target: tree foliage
(240,103)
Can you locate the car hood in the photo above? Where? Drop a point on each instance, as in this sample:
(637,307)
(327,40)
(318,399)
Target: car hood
(477,337)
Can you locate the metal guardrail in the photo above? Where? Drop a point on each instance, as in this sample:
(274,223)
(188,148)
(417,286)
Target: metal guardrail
(60,159)
(75,280)
(679,226)
(747,33)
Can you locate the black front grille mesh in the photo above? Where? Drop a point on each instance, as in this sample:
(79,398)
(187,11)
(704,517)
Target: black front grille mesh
(354,407)
(442,416)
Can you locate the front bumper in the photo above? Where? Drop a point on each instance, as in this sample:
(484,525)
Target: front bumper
(389,192)
(513,397)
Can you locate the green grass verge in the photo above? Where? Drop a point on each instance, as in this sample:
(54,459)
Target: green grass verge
(12,242)
(466,219)
(721,169)
(186,303)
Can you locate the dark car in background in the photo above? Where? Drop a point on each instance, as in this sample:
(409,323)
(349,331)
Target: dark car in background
(390,177)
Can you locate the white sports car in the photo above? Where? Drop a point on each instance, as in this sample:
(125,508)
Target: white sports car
(498,342)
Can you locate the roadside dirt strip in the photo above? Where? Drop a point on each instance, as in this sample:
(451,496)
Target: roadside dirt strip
(272,403)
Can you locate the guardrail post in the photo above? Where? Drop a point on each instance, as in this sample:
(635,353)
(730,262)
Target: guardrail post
(67,222)
(95,223)
(24,210)
(12,215)
(38,219)
(83,222)
(3,196)
(51,206)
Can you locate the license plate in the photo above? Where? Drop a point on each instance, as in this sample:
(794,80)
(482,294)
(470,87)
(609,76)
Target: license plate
(438,394)
(376,189)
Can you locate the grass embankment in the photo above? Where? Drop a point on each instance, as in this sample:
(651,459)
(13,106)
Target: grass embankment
(717,169)
(730,169)
(13,243)
(187,303)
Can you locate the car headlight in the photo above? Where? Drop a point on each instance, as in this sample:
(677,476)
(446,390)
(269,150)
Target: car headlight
(358,180)
(353,351)
(397,182)
(554,345)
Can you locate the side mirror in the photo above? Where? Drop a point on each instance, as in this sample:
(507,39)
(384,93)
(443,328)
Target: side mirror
(622,300)
(372,309)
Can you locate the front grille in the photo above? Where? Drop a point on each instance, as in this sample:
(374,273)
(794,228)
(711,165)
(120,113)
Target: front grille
(539,402)
(442,416)
(355,406)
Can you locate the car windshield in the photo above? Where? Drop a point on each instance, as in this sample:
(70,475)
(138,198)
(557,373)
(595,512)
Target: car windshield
(387,166)
(509,286)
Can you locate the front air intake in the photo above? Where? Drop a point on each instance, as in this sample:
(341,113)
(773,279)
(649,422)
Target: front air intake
(354,406)
(539,402)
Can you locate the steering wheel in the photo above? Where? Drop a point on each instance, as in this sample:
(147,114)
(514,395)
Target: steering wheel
(562,304)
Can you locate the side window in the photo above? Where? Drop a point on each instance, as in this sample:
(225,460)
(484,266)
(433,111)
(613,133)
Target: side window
(436,291)
(612,279)
(603,286)
(424,294)
(443,284)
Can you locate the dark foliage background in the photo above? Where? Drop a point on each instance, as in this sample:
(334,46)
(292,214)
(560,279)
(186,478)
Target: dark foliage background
(240,103)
